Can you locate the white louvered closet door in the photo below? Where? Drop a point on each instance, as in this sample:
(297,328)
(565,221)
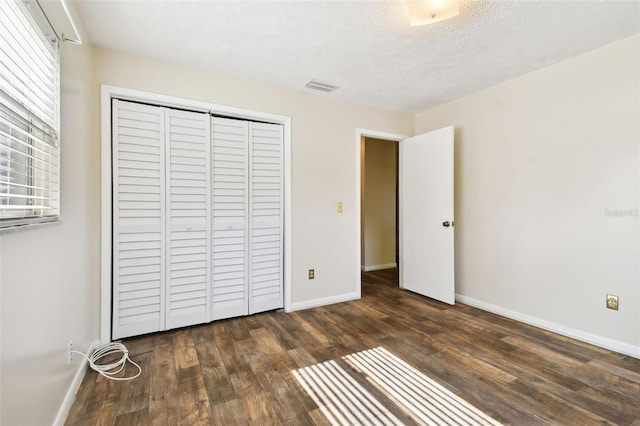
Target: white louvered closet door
(188,218)
(138,219)
(265,217)
(230,231)
(197,218)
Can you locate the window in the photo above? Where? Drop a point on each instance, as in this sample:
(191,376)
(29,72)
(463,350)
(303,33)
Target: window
(29,116)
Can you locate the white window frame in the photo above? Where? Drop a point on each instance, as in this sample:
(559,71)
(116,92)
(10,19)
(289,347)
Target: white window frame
(109,92)
(43,184)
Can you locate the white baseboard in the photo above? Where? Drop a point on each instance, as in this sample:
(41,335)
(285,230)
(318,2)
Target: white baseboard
(324,301)
(369,268)
(603,342)
(70,396)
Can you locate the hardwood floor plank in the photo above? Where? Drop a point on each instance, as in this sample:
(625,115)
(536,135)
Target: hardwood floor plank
(193,400)
(628,404)
(212,368)
(203,334)
(315,333)
(254,356)
(589,375)
(232,358)
(319,418)
(108,412)
(99,401)
(134,418)
(620,360)
(185,351)
(163,387)
(283,397)
(614,369)
(557,408)
(497,400)
(239,371)
(134,395)
(301,357)
(89,412)
(228,413)
(285,330)
(596,402)
(520,363)
(255,402)
(478,366)
(238,329)
(276,354)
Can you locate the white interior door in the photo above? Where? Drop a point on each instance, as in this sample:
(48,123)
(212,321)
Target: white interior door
(426,215)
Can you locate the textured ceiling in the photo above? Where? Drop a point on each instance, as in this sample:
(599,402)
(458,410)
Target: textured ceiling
(366,48)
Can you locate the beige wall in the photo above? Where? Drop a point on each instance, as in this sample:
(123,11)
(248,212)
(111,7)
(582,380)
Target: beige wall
(379,204)
(49,276)
(323,158)
(540,160)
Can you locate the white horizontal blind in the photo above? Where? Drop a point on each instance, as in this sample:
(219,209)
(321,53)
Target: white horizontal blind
(29,153)
(230,235)
(138,219)
(188,137)
(29,169)
(265,217)
(28,62)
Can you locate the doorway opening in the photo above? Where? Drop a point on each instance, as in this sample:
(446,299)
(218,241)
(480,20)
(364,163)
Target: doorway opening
(379,218)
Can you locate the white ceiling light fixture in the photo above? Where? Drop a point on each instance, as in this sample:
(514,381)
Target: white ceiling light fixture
(422,12)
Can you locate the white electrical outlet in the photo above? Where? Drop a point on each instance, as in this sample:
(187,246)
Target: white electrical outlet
(69,353)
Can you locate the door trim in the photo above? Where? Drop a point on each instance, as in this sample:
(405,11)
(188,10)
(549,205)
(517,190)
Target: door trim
(106,247)
(360,133)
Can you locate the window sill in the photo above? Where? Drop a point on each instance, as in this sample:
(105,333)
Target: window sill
(25,227)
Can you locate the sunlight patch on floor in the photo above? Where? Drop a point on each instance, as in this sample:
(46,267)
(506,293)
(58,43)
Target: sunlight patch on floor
(342,400)
(420,397)
(345,402)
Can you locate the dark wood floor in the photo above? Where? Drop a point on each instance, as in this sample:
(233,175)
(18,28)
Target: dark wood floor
(239,371)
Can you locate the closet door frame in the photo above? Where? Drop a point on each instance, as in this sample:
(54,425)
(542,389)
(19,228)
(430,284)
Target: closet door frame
(110,92)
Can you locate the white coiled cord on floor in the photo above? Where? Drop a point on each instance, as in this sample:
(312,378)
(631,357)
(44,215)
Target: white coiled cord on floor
(110,370)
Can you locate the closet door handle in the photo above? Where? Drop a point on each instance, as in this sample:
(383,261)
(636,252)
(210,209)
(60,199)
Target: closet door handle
(446,223)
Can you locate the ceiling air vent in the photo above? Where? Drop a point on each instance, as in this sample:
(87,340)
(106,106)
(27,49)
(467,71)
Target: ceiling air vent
(314,85)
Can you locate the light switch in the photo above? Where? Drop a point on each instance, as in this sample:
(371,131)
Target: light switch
(340,208)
